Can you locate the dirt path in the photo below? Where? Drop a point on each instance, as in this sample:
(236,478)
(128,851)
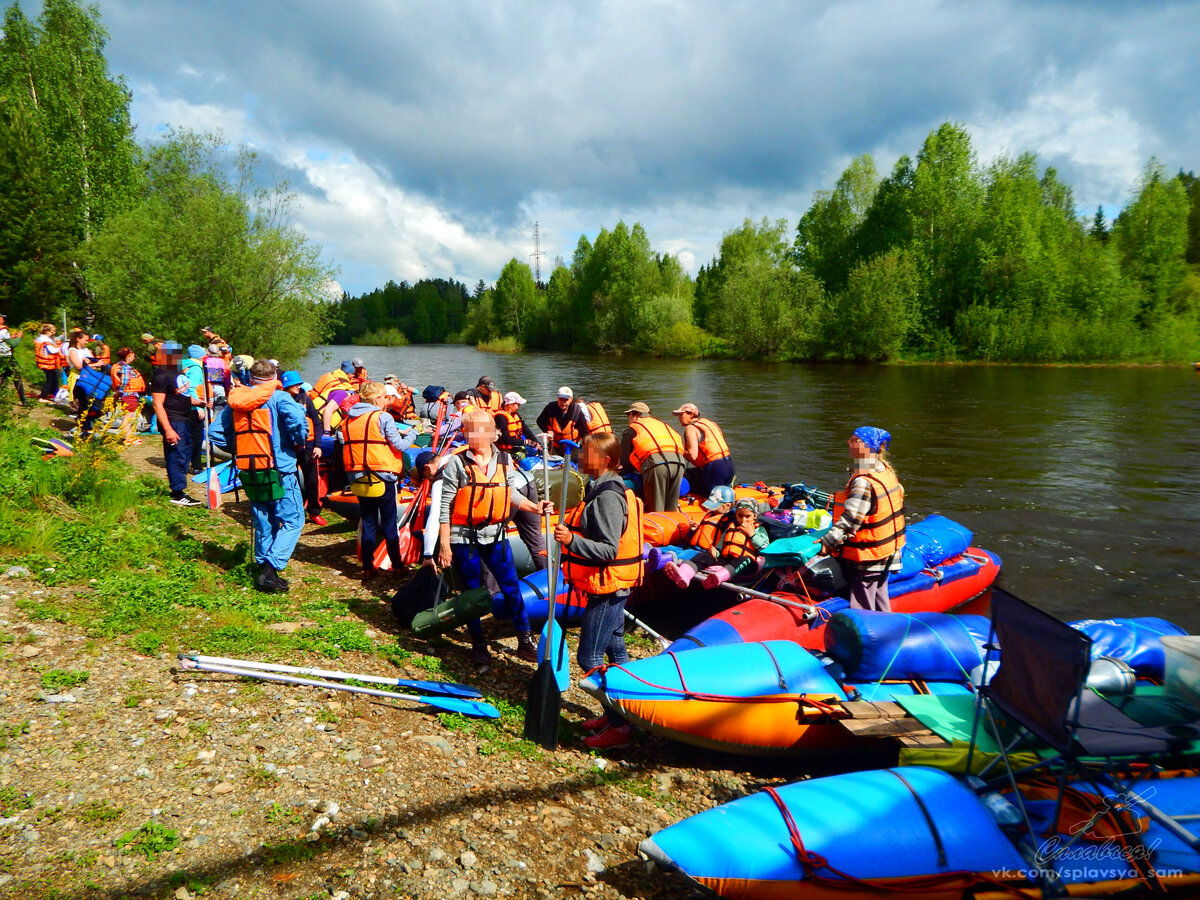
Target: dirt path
(141,782)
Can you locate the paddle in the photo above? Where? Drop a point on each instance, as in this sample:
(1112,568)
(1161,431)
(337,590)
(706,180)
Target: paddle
(450,704)
(214,482)
(808,610)
(545,688)
(443,688)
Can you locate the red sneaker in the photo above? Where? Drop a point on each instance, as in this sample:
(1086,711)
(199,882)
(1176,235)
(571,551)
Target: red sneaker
(610,739)
(318,520)
(591,726)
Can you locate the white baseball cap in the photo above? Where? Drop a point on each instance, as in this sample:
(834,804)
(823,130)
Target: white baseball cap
(565,392)
(514,397)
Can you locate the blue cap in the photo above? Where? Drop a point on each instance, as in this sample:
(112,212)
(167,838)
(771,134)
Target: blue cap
(423,458)
(290,379)
(347,367)
(97,337)
(195,351)
(172,347)
(875,438)
(722,493)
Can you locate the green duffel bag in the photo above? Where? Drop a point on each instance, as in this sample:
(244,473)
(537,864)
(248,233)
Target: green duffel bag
(262,485)
(452,612)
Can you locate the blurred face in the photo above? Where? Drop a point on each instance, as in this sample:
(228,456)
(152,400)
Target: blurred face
(593,460)
(859,450)
(479,434)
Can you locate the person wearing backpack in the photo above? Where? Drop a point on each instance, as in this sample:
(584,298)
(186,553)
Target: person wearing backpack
(263,427)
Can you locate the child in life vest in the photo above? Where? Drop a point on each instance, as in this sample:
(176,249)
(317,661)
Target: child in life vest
(735,551)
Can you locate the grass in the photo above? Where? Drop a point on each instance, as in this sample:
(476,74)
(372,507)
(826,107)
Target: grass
(98,812)
(501,736)
(9,731)
(149,839)
(500,345)
(58,680)
(284,815)
(13,800)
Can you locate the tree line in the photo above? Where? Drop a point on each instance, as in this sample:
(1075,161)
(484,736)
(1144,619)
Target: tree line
(127,238)
(944,258)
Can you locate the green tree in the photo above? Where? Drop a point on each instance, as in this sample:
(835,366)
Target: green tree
(870,319)
(1151,235)
(200,250)
(512,299)
(65,122)
(827,235)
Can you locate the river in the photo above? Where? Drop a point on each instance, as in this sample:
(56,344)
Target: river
(1081,479)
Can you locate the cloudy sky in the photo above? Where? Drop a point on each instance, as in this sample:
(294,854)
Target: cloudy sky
(426,138)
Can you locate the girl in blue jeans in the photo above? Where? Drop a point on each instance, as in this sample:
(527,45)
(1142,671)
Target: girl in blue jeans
(601,543)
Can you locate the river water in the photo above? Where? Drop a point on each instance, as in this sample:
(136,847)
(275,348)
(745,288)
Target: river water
(1083,480)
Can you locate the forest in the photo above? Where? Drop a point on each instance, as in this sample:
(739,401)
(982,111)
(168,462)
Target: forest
(110,233)
(944,258)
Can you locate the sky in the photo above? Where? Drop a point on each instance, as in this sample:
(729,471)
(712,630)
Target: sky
(425,139)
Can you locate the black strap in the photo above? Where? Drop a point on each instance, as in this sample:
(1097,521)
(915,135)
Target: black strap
(933,831)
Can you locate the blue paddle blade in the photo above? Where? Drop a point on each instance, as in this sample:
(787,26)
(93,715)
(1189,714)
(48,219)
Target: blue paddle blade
(441,688)
(466,707)
(557,654)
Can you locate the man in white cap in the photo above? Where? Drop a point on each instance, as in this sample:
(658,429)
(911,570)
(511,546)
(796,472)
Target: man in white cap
(564,419)
(515,435)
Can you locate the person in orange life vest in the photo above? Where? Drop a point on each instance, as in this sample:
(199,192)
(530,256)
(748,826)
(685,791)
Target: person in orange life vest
(8,362)
(515,436)
(479,494)
(868,528)
(309,455)
(563,418)
(359,376)
(372,446)
(128,387)
(46,351)
(485,395)
(705,533)
(601,542)
(597,417)
(263,427)
(154,351)
(735,550)
(705,448)
(653,450)
(102,353)
(400,397)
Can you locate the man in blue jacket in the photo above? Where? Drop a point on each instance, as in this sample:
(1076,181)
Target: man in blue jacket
(263,427)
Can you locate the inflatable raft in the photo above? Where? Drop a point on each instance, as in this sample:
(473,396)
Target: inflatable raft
(921,832)
(949,585)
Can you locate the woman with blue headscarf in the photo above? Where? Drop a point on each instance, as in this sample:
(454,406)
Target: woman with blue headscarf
(868,531)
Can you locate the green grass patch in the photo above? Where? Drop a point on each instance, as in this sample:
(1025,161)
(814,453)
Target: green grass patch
(277,814)
(98,812)
(10,730)
(501,736)
(13,800)
(149,839)
(58,680)
(289,852)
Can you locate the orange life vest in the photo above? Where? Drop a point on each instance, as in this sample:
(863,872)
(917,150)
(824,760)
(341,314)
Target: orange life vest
(652,436)
(514,428)
(336,378)
(104,357)
(560,432)
(365,449)
(137,384)
(402,407)
(600,423)
(157,357)
(48,359)
(252,427)
(881,534)
(735,544)
(484,499)
(321,400)
(712,442)
(621,573)
(705,535)
(492,402)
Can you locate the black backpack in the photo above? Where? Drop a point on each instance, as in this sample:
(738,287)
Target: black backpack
(431,393)
(424,590)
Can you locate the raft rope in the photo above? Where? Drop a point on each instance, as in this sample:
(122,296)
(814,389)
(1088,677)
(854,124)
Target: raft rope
(811,862)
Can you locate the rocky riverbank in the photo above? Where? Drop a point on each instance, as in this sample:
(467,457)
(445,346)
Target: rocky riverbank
(122,777)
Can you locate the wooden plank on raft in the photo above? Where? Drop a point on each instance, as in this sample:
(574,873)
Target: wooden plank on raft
(882,727)
(865,709)
(923,739)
